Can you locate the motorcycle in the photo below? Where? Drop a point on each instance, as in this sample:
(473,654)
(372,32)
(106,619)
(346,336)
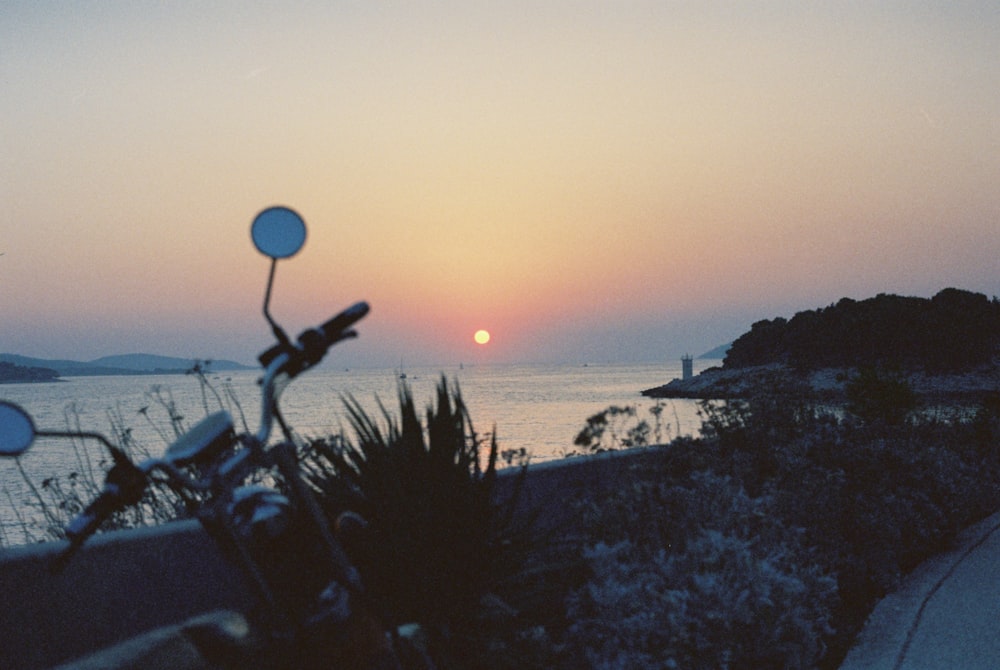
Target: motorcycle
(311,609)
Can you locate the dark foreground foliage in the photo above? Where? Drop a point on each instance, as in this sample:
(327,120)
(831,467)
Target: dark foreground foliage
(767,543)
(438,549)
(763,544)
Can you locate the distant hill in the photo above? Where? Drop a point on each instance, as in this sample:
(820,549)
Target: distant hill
(153,362)
(128,364)
(718,353)
(953,331)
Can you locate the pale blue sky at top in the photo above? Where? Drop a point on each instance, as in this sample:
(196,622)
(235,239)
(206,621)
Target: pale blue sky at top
(589,181)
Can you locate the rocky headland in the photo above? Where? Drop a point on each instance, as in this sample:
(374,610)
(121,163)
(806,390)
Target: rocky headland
(946,348)
(827,383)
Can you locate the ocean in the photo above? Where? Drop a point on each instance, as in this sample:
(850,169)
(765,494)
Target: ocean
(538,408)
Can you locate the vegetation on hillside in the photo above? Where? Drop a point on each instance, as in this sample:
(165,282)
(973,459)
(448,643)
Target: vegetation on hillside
(955,330)
(10,373)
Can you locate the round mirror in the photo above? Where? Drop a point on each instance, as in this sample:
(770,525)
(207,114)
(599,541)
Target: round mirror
(278,232)
(17,430)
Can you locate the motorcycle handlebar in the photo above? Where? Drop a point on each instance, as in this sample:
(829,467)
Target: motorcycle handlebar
(313,343)
(338,324)
(85,523)
(123,486)
(125,482)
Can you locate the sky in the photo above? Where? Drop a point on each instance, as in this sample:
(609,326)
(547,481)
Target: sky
(590,181)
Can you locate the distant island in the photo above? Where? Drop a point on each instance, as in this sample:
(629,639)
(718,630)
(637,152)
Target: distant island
(948,346)
(20,374)
(18,369)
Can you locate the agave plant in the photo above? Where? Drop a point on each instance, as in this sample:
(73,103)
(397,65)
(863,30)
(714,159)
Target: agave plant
(437,539)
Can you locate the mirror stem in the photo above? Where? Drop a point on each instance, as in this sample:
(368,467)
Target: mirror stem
(278,332)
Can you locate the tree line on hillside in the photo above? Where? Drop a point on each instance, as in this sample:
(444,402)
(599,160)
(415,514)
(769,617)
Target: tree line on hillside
(953,331)
(20,373)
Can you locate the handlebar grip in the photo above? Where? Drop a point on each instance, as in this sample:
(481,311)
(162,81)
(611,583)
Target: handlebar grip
(332,329)
(123,486)
(315,342)
(88,521)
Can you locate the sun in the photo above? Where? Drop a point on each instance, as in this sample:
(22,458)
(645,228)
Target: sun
(481,336)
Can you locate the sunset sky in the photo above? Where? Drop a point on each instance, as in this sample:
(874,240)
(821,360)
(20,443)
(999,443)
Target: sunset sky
(588,181)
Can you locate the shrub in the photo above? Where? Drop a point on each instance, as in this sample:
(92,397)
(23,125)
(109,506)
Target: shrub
(729,588)
(880,395)
(618,427)
(437,541)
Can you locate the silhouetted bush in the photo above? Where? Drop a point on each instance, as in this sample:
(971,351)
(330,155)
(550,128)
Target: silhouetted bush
(620,427)
(437,541)
(877,395)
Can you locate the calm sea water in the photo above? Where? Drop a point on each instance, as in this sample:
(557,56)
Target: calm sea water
(539,408)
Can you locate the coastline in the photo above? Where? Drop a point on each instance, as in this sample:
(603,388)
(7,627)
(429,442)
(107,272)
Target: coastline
(31,381)
(718,383)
